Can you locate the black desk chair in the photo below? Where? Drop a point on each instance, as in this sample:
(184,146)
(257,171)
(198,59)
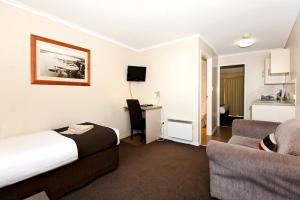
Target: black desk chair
(136,117)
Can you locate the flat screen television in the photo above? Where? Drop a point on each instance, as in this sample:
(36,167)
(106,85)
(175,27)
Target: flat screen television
(136,73)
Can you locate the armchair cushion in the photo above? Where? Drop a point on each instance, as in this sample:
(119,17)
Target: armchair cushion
(244,141)
(253,128)
(288,137)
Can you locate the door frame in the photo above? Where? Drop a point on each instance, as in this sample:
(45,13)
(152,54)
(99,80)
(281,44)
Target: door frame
(218,88)
(209,90)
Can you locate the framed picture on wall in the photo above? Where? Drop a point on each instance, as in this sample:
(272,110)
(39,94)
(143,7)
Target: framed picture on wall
(58,63)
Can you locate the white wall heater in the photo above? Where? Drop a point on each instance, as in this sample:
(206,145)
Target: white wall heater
(180,129)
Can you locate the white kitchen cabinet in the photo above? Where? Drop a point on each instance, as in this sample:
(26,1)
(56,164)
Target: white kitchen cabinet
(273,113)
(280,61)
(273,79)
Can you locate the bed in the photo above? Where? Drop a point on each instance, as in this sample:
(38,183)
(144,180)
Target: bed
(97,154)
(224,114)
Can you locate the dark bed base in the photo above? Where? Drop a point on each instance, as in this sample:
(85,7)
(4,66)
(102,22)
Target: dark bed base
(224,118)
(65,179)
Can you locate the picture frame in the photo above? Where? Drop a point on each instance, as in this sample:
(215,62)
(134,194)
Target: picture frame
(58,63)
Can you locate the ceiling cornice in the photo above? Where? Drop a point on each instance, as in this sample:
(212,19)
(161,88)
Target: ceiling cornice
(93,33)
(64,22)
(246,52)
(169,43)
(291,29)
(176,41)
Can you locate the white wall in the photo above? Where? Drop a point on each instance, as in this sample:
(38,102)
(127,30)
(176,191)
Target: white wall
(26,108)
(254,81)
(174,70)
(294,44)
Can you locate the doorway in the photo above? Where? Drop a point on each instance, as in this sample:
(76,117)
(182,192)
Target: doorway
(204,97)
(232,91)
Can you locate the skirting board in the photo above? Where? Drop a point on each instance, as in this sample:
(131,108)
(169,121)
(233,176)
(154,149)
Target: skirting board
(181,141)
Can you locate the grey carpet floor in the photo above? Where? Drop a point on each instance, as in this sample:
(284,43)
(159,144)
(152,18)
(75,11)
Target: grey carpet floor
(157,171)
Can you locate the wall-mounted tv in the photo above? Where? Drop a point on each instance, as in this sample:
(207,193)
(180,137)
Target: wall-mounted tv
(136,73)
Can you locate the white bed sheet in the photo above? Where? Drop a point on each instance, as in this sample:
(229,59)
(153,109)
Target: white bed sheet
(25,156)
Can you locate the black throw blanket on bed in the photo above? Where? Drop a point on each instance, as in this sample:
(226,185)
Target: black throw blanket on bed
(95,140)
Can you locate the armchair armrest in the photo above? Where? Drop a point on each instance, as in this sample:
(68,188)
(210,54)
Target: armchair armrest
(255,160)
(253,128)
(269,171)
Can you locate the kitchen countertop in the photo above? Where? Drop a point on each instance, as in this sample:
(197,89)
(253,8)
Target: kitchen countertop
(274,103)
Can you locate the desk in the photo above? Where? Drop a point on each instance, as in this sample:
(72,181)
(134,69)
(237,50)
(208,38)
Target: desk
(153,122)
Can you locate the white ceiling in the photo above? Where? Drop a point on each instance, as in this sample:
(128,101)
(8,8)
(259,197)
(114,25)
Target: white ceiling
(143,23)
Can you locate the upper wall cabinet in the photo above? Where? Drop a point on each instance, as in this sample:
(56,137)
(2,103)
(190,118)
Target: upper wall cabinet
(280,61)
(275,79)
(272,78)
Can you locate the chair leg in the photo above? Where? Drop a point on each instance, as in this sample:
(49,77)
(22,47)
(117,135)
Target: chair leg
(131,136)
